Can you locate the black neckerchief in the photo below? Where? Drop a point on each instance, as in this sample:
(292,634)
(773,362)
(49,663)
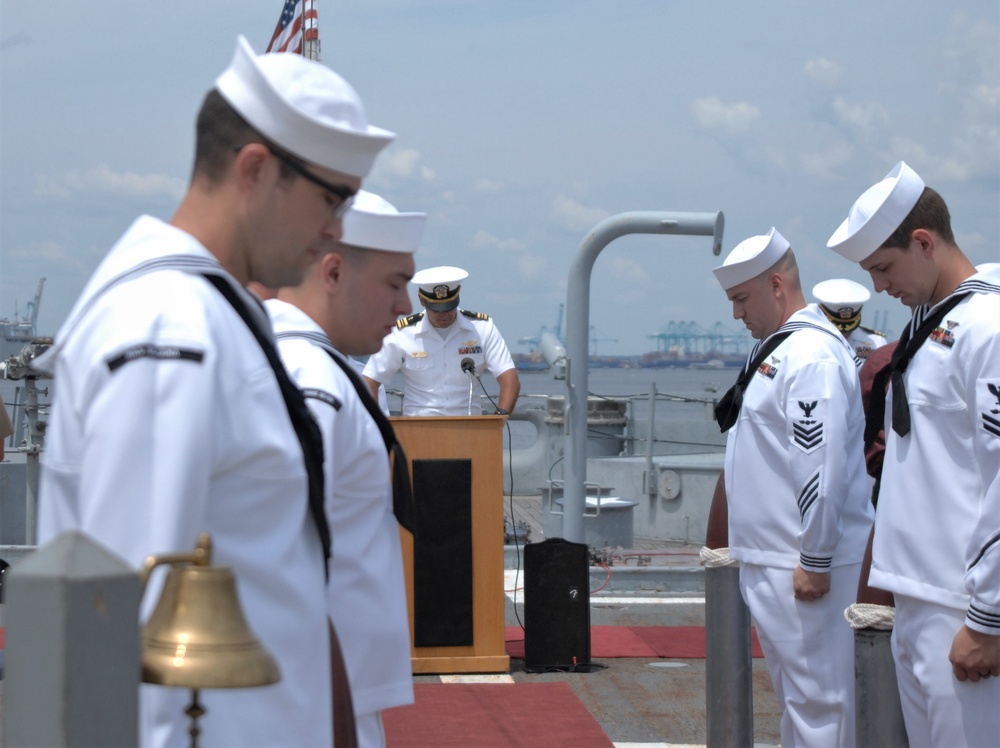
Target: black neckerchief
(905,351)
(402,492)
(301,417)
(727,411)
(728,408)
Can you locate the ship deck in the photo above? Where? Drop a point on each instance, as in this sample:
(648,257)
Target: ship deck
(638,702)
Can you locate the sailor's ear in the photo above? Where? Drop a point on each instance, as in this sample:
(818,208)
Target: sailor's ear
(251,162)
(332,266)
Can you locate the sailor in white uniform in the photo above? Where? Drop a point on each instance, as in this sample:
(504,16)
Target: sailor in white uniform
(172,415)
(799,515)
(937,529)
(841,300)
(347,303)
(442,351)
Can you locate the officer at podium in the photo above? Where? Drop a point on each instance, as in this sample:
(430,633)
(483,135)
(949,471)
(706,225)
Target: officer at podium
(442,351)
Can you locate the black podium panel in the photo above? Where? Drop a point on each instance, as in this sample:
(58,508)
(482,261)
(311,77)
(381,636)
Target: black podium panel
(442,553)
(556,605)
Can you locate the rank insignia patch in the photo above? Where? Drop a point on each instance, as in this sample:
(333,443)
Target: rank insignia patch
(807,432)
(991,417)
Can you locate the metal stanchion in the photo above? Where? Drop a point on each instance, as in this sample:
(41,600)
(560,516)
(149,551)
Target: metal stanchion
(728,669)
(878,712)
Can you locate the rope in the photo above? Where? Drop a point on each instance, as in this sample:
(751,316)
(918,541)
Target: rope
(869,616)
(714,558)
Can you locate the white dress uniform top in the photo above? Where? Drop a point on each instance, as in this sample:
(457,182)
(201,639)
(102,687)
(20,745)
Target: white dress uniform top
(163,392)
(367,598)
(434,383)
(937,532)
(798,491)
(841,301)
(797,494)
(169,420)
(794,461)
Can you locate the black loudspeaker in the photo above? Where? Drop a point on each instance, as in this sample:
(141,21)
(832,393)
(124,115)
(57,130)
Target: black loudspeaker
(556,606)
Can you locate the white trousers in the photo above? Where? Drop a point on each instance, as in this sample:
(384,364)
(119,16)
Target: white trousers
(371,733)
(938,709)
(809,651)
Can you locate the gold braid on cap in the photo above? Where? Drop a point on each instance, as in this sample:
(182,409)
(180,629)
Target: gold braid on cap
(437,295)
(845,319)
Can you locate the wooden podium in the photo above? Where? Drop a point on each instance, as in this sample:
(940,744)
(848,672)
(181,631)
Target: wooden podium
(454,572)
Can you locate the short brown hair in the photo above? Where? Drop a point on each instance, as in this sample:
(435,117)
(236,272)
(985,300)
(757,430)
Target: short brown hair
(929,213)
(220,132)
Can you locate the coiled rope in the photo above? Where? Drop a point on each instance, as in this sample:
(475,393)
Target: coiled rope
(870,616)
(714,558)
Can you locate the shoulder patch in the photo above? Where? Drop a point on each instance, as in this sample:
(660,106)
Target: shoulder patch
(323,396)
(475,315)
(157,352)
(407,321)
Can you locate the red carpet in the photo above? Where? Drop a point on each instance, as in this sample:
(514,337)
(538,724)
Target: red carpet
(493,715)
(676,642)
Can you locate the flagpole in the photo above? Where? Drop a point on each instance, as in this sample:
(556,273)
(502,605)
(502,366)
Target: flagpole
(310,42)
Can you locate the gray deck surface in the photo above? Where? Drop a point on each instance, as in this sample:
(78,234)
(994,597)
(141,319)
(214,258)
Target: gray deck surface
(644,702)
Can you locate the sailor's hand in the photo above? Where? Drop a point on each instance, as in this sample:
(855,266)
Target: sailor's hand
(974,655)
(810,585)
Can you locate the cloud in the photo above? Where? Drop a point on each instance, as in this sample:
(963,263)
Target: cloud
(714,114)
(977,134)
(44,252)
(103,180)
(824,71)
(485,240)
(487,185)
(862,118)
(17,39)
(531,266)
(628,271)
(575,217)
(825,164)
(403,163)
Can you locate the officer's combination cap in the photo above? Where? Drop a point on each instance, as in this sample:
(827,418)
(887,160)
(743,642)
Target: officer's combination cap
(439,287)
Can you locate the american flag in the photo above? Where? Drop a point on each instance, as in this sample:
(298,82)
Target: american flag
(292,29)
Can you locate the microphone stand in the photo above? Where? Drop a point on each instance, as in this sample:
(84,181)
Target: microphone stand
(469,367)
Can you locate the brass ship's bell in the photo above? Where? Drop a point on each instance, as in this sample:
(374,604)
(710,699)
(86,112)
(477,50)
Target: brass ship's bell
(197,636)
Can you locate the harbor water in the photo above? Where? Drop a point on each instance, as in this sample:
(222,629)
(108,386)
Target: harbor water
(682,393)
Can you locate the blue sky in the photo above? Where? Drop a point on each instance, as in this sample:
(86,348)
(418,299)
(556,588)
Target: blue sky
(521,125)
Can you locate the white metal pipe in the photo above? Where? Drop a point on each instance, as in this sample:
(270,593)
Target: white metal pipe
(578,327)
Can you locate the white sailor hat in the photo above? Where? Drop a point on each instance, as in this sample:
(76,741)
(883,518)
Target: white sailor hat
(750,258)
(374,223)
(842,297)
(877,213)
(438,287)
(304,107)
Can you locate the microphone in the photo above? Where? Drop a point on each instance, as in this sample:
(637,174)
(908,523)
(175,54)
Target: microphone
(469,366)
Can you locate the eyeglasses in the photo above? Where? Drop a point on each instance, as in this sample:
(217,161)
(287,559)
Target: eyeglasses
(344,195)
